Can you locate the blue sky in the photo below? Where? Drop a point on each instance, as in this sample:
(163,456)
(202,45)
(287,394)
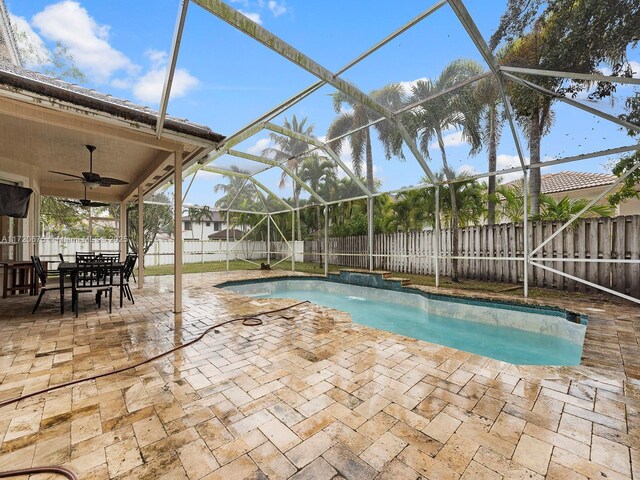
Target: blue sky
(225,80)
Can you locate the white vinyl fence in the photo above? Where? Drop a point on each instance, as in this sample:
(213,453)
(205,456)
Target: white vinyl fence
(161,252)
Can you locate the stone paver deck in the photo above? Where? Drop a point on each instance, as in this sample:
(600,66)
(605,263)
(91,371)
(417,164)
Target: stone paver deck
(306,395)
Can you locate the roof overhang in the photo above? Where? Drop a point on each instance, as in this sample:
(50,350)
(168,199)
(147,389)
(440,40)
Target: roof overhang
(47,127)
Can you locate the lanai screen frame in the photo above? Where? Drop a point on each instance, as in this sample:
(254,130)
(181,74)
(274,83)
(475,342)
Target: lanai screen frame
(501,74)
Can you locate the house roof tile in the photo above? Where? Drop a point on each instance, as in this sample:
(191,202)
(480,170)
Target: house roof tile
(568,181)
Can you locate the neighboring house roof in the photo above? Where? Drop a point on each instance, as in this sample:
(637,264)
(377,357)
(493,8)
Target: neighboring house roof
(234,234)
(20,78)
(568,181)
(210,217)
(8,48)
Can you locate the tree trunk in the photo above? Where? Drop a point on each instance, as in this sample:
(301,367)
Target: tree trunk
(454,211)
(369,155)
(535,181)
(491,204)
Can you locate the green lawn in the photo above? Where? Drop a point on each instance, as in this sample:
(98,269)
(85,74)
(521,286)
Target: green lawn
(428,280)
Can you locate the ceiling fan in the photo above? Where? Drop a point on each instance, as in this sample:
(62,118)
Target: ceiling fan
(91,179)
(86,202)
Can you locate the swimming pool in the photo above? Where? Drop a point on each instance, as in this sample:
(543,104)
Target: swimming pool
(514,333)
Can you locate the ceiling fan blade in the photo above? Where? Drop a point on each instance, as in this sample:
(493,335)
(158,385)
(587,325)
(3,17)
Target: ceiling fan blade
(97,204)
(74,180)
(67,174)
(72,202)
(91,177)
(113,181)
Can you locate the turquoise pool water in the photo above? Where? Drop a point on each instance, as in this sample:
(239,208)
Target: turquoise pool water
(515,335)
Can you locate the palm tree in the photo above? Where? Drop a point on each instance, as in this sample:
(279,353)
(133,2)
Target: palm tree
(319,173)
(565,208)
(244,197)
(357,115)
(457,110)
(532,109)
(195,215)
(292,151)
(511,201)
(487,93)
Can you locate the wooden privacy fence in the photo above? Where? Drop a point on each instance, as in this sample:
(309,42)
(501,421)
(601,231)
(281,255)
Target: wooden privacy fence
(592,238)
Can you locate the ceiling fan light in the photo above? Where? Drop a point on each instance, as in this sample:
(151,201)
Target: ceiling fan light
(91,185)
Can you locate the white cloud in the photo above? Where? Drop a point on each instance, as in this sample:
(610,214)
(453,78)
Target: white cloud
(253,16)
(205,174)
(259,146)
(148,88)
(635,67)
(70,24)
(504,161)
(277,8)
(31,47)
(453,139)
(121,83)
(407,85)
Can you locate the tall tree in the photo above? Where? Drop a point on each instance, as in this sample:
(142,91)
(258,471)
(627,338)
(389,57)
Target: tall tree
(155,219)
(457,110)
(357,115)
(319,173)
(487,93)
(292,151)
(566,35)
(532,109)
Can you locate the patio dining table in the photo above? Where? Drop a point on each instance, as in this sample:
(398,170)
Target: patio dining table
(71,268)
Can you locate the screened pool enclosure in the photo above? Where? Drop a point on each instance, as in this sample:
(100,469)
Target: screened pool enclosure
(257,173)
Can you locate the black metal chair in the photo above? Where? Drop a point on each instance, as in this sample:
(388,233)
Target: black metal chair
(85,257)
(115,256)
(41,273)
(94,277)
(127,271)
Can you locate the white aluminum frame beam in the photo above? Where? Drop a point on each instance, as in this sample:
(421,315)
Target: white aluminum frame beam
(282,166)
(619,180)
(573,103)
(329,151)
(171,68)
(476,37)
(269,192)
(237,20)
(398,112)
(589,77)
(274,112)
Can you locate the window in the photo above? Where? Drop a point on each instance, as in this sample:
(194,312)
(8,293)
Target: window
(217,226)
(208,224)
(187,225)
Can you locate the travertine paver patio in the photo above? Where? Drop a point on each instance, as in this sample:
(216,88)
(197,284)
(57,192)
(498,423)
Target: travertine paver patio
(307,395)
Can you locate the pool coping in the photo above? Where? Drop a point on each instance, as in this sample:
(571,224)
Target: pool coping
(396,285)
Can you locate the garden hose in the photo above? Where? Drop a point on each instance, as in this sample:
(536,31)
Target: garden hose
(248,320)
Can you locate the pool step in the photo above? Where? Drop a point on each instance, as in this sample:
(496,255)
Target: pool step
(383,273)
(403,281)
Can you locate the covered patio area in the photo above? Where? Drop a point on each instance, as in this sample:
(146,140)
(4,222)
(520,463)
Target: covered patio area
(307,394)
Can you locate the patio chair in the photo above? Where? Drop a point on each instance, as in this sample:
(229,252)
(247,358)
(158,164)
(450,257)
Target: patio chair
(115,256)
(44,287)
(85,257)
(94,277)
(127,271)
